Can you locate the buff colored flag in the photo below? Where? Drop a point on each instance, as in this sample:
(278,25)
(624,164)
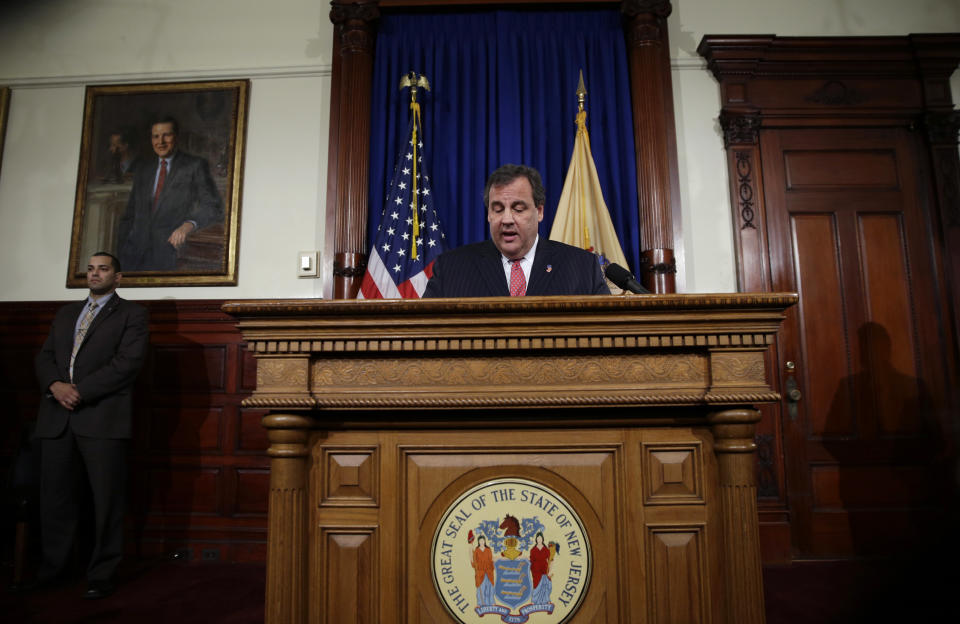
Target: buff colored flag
(582,218)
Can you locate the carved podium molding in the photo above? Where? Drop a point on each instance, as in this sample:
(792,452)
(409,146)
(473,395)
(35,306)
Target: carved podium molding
(356,389)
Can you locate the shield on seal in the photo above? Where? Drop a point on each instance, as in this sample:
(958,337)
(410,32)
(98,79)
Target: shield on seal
(513,584)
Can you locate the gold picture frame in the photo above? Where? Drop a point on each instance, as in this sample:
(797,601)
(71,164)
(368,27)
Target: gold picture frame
(119,205)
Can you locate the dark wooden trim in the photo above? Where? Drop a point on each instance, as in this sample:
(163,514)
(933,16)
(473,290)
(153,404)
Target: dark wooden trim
(937,58)
(650,81)
(770,82)
(193,440)
(355,35)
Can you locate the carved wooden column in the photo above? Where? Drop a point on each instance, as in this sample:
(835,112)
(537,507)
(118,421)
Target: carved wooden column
(283,383)
(288,517)
(741,138)
(349,154)
(733,432)
(942,128)
(937,59)
(649,61)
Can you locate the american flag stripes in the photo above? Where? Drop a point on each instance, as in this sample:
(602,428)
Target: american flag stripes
(409,237)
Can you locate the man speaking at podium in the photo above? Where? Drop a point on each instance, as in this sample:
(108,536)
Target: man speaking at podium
(515,261)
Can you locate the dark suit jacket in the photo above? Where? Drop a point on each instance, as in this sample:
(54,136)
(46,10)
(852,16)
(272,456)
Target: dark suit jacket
(189,194)
(477,271)
(106,366)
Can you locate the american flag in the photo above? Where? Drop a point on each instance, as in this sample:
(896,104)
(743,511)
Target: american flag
(409,237)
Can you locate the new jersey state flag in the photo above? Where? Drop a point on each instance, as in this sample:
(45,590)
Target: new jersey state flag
(582,218)
(409,237)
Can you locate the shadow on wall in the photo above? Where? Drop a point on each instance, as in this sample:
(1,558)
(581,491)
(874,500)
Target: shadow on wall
(174,426)
(906,506)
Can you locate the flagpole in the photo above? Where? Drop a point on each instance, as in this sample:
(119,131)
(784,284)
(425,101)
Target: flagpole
(409,237)
(582,218)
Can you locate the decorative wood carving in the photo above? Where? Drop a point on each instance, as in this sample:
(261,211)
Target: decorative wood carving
(837,93)
(484,376)
(739,129)
(745,187)
(740,133)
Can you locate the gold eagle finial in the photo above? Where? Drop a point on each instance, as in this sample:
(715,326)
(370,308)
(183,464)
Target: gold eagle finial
(414,82)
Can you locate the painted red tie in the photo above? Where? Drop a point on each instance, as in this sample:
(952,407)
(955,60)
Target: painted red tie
(160,180)
(518,283)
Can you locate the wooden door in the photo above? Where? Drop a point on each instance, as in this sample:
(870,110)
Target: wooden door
(849,230)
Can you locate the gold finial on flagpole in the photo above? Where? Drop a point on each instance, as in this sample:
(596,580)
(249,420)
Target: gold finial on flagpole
(413,81)
(581,93)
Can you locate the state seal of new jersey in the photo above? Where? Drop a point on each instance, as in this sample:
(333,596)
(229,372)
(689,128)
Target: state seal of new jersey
(511,550)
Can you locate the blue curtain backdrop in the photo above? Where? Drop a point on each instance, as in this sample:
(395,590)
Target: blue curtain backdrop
(504,91)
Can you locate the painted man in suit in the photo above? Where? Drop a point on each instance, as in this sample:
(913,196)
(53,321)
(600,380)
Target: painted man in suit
(515,261)
(87,368)
(172,196)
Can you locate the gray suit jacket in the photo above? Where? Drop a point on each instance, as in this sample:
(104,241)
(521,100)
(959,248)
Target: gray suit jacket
(477,271)
(105,369)
(189,194)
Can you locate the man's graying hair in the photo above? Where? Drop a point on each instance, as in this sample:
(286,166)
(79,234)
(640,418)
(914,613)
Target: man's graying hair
(506,174)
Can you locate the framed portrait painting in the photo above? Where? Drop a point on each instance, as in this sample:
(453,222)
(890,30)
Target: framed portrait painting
(159,182)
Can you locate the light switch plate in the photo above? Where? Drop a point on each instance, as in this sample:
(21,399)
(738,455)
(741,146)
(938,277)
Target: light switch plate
(307,264)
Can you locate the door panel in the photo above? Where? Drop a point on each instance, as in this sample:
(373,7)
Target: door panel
(848,231)
(821,307)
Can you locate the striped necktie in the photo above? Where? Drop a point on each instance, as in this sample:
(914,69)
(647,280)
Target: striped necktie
(81,332)
(518,282)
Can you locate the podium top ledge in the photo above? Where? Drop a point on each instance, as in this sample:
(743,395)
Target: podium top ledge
(508,305)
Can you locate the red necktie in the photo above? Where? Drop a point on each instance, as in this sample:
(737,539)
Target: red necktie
(518,283)
(160,180)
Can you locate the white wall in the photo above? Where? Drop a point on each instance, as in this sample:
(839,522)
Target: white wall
(51,49)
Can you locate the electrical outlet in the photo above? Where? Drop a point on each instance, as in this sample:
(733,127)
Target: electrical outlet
(307,264)
(211,554)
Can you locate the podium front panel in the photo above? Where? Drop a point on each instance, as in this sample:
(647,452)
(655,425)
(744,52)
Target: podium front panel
(542,460)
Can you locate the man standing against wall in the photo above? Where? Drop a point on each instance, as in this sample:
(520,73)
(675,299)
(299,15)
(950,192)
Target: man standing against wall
(172,196)
(87,368)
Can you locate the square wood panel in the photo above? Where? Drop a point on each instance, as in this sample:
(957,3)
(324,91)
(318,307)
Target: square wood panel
(351,477)
(673,474)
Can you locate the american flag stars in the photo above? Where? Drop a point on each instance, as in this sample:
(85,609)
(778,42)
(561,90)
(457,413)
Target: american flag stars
(410,235)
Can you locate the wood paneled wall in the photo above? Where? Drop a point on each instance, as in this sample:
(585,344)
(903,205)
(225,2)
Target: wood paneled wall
(199,474)
(843,169)
(199,477)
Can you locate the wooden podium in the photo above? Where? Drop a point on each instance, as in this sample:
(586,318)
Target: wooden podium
(636,410)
